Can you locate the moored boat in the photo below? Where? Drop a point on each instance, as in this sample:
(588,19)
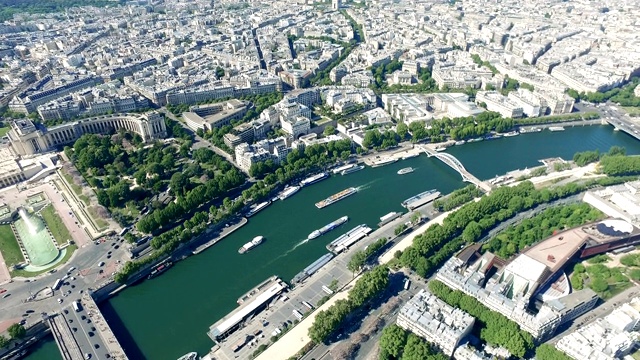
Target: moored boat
(383,162)
(257,208)
(190,356)
(556,128)
(511,133)
(405,157)
(288,192)
(352,170)
(421,199)
(314,179)
(461,142)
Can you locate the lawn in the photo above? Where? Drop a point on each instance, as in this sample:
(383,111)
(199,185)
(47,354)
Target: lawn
(100,222)
(629,109)
(75,187)
(9,247)
(4,131)
(55,224)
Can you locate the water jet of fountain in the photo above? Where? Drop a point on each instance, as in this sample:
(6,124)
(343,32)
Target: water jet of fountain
(33,228)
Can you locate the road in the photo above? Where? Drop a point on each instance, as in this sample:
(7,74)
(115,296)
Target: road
(600,311)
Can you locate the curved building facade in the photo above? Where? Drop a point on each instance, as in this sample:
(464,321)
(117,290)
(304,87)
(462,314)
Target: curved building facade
(27,139)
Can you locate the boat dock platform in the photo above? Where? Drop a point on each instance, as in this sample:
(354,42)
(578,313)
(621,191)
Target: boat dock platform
(223,234)
(263,285)
(235,320)
(346,240)
(311,269)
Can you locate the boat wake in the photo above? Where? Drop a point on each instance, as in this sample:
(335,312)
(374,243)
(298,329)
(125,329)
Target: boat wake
(290,250)
(366,186)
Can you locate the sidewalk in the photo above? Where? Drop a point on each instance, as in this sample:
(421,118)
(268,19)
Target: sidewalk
(408,240)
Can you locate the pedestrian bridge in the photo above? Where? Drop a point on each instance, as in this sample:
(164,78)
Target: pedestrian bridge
(456,165)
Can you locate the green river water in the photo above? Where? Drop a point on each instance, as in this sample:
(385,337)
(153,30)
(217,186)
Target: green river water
(168,316)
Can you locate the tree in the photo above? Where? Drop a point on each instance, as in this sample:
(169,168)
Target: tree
(17,331)
(357,261)
(599,285)
(402,130)
(329,130)
(393,340)
(4,342)
(548,352)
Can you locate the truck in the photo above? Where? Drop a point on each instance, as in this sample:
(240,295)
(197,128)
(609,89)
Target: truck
(240,343)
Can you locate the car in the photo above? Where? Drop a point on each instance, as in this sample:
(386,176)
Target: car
(73,278)
(66,311)
(71,269)
(3,291)
(101,271)
(90,333)
(83,317)
(59,301)
(87,356)
(70,321)
(93,328)
(6,296)
(74,329)
(29,311)
(23,321)
(88,321)
(101,263)
(96,346)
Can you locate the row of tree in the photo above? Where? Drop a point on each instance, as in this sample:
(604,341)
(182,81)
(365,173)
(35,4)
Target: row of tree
(531,230)
(397,343)
(360,257)
(366,288)
(467,224)
(490,326)
(586,157)
(16,331)
(457,198)
(214,188)
(624,96)
(620,165)
(165,243)
(557,118)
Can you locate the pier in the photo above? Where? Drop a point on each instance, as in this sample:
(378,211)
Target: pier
(456,165)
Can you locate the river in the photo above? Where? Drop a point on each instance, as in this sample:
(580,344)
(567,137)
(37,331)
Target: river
(168,316)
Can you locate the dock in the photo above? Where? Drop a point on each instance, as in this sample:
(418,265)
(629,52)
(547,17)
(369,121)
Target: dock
(234,321)
(346,240)
(223,234)
(256,290)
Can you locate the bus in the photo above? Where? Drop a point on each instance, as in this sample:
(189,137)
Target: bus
(407,284)
(76,306)
(297,314)
(57,284)
(327,290)
(307,305)
(124,231)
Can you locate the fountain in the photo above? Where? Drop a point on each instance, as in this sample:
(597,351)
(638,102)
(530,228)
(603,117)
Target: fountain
(35,239)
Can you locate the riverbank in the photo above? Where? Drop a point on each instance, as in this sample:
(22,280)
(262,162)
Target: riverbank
(223,234)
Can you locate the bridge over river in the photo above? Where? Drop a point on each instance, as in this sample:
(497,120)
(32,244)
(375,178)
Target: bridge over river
(456,165)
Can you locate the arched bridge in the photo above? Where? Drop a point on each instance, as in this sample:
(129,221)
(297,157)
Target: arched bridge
(456,165)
